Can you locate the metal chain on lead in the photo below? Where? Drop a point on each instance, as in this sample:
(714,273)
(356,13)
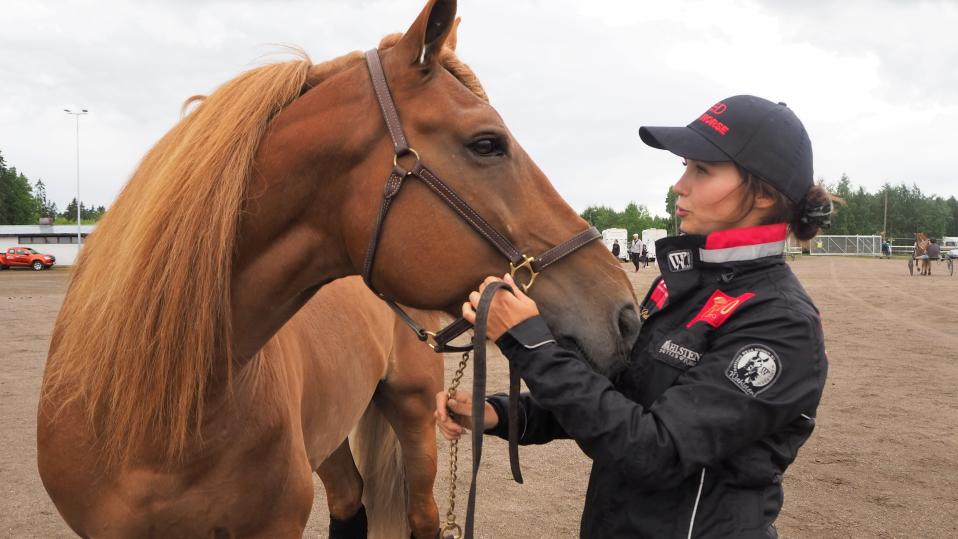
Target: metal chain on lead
(451,526)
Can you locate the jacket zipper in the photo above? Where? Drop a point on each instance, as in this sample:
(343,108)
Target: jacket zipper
(695,507)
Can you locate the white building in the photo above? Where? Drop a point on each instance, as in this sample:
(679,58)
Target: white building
(57,240)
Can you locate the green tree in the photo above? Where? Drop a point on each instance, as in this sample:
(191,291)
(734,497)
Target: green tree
(46,207)
(952,228)
(17,204)
(635,218)
(672,223)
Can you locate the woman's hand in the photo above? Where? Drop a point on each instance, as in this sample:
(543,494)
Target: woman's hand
(453,425)
(505,311)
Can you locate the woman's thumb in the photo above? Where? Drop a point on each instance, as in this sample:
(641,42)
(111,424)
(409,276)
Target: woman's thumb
(516,289)
(459,406)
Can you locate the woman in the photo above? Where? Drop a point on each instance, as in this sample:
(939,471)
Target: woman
(615,249)
(691,436)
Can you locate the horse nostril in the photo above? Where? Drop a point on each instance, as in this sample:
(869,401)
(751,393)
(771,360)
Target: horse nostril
(629,325)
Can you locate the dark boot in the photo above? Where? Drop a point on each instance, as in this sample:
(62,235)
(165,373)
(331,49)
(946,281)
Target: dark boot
(353,528)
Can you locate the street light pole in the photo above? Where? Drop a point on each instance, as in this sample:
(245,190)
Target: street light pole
(77,116)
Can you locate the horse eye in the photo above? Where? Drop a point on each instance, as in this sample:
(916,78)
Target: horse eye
(486,147)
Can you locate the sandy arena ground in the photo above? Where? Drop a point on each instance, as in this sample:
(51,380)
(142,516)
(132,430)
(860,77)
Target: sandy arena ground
(883,461)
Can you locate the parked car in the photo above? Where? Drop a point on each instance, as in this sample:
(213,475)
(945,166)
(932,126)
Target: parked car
(25,257)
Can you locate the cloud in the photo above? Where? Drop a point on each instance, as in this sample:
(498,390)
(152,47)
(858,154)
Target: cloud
(873,81)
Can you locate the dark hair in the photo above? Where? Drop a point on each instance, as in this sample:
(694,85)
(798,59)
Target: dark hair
(804,217)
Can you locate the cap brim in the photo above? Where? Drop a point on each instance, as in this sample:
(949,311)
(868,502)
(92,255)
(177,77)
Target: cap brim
(683,142)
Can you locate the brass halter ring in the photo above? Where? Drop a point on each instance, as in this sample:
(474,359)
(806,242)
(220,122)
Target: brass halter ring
(451,531)
(527,264)
(396,156)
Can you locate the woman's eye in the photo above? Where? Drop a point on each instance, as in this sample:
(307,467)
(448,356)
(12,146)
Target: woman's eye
(486,147)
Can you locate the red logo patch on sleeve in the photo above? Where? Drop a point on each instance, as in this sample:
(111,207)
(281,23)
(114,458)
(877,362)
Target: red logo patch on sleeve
(660,294)
(718,308)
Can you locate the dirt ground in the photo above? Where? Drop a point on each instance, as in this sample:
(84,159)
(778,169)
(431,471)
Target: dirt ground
(883,461)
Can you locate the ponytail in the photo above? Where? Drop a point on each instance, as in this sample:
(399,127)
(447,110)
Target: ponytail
(812,213)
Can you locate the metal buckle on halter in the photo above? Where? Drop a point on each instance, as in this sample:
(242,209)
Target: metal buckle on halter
(427,334)
(527,264)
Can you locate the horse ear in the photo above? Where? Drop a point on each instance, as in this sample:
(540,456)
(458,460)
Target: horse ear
(425,38)
(453,34)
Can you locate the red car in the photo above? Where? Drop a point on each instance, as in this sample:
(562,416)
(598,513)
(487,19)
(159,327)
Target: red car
(25,257)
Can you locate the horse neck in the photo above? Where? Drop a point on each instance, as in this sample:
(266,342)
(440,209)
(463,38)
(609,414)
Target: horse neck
(277,271)
(292,229)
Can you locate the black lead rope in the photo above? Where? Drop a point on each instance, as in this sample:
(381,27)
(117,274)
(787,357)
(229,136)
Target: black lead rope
(479,402)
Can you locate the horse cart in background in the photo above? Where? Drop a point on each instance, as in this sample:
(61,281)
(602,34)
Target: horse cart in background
(919,257)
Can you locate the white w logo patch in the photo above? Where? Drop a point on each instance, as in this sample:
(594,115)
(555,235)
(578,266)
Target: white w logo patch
(680,261)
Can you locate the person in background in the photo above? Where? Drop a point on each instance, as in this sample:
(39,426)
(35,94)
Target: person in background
(635,251)
(615,248)
(934,253)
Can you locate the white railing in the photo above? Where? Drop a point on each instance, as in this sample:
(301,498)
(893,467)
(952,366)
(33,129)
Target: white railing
(845,245)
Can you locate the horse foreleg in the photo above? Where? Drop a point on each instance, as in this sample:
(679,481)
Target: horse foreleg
(411,415)
(344,492)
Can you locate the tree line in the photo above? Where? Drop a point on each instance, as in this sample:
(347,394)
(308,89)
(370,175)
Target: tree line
(23,203)
(894,211)
(635,218)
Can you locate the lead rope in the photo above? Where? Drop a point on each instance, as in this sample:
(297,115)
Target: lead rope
(478,415)
(451,530)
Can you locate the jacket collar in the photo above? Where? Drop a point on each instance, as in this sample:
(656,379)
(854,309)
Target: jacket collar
(688,262)
(743,244)
(678,254)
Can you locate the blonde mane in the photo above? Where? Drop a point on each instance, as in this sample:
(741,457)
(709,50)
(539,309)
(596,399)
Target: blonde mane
(146,321)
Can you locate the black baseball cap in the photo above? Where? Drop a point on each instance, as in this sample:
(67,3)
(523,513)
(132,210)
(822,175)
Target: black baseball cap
(765,138)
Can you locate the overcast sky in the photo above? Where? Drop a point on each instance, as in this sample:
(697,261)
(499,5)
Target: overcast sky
(875,82)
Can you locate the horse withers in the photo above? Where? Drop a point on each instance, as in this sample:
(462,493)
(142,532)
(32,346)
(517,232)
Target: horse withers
(170,403)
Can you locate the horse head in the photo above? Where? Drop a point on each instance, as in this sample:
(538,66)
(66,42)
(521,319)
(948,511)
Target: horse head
(319,178)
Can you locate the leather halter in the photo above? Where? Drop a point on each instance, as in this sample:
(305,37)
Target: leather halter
(517,260)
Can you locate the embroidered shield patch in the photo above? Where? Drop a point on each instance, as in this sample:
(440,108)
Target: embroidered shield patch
(754,369)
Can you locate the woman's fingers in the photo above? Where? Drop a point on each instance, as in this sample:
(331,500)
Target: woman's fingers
(453,425)
(469,313)
(515,288)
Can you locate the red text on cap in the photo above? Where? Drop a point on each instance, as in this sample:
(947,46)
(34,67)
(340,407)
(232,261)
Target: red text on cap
(710,121)
(718,108)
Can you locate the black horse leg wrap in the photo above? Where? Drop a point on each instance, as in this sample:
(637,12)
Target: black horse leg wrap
(355,527)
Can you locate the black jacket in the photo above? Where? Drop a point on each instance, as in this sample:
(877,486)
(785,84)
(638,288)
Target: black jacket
(692,436)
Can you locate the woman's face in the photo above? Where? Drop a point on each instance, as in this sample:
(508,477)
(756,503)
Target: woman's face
(710,196)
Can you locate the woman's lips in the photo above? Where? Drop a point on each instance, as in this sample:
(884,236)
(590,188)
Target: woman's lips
(681,212)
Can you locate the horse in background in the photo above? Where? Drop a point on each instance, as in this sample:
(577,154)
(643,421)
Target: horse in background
(194,398)
(280,408)
(921,253)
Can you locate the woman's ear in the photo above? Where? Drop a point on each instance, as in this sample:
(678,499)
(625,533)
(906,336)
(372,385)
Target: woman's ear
(764,200)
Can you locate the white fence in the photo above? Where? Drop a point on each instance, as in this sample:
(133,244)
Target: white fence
(846,245)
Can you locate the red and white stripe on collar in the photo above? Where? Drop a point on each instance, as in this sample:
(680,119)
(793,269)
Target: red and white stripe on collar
(738,244)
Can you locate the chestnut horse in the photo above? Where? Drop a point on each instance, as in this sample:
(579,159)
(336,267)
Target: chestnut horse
(173,403)
(921,248)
